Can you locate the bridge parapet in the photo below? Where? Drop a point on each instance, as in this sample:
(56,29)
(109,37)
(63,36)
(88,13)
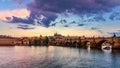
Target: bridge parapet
(93,42)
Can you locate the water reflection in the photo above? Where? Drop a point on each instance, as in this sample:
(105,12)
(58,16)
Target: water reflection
(57,57)
(107,51)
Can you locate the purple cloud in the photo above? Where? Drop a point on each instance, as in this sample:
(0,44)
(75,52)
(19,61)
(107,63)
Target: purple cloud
(20,20)
(49,9)
(74,6)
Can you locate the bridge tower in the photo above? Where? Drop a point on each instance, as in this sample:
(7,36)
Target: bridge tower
(115,41)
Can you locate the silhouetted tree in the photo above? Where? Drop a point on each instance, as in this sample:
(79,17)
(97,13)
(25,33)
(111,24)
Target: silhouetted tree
(46,40)
(22,42)
(40,40)
(35,41)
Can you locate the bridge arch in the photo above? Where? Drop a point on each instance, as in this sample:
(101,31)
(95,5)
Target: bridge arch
(86,43)
(74,42)
(99,44)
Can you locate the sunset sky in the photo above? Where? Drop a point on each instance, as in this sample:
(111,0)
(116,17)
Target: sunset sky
(67,17)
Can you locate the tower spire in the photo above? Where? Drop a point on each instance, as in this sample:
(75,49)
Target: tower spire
(114,35)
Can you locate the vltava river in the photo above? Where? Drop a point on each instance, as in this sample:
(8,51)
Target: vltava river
(57,57)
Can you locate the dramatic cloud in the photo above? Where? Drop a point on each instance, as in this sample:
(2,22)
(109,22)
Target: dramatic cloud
(49,9)
(74,6)
(20,20)
(20,13)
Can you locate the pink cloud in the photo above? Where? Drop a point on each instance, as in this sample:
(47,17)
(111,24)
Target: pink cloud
(21,13)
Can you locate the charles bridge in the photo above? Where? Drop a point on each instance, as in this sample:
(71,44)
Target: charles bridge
(73,41)
(93,42)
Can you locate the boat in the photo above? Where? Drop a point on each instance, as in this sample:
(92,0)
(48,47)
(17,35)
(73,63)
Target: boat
(106,46)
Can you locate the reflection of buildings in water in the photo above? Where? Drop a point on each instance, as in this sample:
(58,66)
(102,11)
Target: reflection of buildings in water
(108,57)
(107,51)
(88,49)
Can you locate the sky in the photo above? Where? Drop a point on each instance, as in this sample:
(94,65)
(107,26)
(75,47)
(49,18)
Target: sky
(67,17)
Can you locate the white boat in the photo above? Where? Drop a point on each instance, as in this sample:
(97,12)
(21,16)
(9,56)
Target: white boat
(106,46)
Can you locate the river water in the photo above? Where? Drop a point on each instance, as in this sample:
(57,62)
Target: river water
(57,57)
